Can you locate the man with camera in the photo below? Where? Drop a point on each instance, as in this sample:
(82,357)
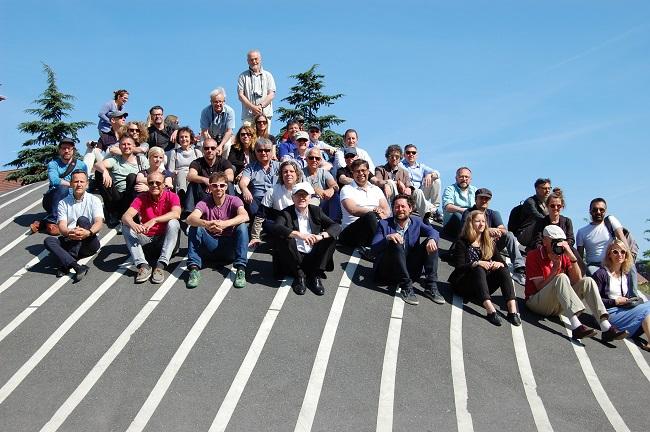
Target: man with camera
(256,89)
(218,121)
(555,285)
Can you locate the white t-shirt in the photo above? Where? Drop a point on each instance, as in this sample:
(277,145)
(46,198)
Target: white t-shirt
(70,209)
(595,238)
(364,198)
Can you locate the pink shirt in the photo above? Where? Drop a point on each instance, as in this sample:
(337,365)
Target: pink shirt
(149,209)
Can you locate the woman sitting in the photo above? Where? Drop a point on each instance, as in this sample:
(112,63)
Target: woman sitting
(156,159)
(480,269)
(554,203)
(181,157)
(241,151)
(626,311)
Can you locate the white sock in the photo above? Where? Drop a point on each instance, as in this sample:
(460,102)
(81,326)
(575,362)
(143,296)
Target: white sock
(605,325)
(575,322)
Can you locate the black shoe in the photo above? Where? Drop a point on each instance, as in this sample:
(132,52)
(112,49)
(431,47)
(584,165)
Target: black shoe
(298,285)
(366,254)
(80,273)
(493,318)
(513,318)
(61,271)
(614,334)
(434,295)
(316,285)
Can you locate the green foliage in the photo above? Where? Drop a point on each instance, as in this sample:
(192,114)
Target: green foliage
(307,99)
(53,107)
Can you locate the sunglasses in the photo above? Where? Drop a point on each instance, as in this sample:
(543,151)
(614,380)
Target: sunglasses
(619,252)
(263,150)
(261,122)
(313,158)
(155,183)
(245,134)
(598,210)
(219,185)
(209,148)
(395,156)
(410,152)
(133,130)
(555,206)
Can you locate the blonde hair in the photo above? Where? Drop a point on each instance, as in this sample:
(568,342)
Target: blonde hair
(629,261)
(155,150)
(470,234)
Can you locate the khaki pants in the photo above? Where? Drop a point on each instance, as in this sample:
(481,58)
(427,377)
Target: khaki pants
(558,296)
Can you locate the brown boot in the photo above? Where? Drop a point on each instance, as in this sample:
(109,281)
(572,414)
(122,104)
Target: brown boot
(52,229)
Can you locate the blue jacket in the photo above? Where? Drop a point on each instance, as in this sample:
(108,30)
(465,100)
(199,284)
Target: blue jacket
(416,229)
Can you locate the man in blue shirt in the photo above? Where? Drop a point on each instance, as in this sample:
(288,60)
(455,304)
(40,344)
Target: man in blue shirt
(218,121)
(457,198)
(259,176)
(424,178)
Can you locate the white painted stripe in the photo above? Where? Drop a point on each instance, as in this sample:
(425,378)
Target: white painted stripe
(111,354)
(20,213)
(236,389)
(15,190)
(14,278)
(638,358)
(11,245)
(317,376)
(528,380)
(594,382)
(22,195)
(389,368)
(149,407)
(463,416)
(35,359)
(9,328)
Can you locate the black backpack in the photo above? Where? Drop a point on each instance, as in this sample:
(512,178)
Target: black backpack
(516,218)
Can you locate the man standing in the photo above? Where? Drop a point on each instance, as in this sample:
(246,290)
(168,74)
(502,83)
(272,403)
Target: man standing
(59,173)
(308,240)
(499,233)
(218,121)
(403,245)
(219,229)
(554,285)
(533,210)
(116,176)
(159,210)
(160,135)
(80,218)
(259,176)
(198,176)
(363,205)
(256,89)
(424,178)
(457,198)
(351,137)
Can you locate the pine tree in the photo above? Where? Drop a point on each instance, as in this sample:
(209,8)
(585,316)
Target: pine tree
(307,99)
(53,106)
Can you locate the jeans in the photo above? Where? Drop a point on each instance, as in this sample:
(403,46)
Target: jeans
(168,239)
(57,193)
(509,242)
(234,248)
(69,251)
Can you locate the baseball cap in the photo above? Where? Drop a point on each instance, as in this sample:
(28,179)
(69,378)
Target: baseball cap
(302,186)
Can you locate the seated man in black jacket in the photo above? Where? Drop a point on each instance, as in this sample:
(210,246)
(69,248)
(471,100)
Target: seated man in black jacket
(309,239)
(534,210)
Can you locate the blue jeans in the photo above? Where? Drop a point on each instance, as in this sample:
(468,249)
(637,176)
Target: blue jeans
(233,248)
(57,193)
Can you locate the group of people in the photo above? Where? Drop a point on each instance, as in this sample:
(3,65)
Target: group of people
(229,191)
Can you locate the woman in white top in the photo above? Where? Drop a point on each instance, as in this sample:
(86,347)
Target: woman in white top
(181,157)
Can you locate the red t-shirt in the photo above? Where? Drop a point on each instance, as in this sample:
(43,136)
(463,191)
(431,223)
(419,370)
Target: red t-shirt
(149,209)
(538,266)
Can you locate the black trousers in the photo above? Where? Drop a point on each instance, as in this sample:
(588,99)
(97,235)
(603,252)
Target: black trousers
(395,266)
(361,231)
(288,260)
(479,284)
(69,251)
(116,202)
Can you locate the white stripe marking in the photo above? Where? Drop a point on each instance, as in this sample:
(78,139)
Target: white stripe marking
(9,328)
(149,407)
(389,368)
(15,190)
(528,380)
(11,245)
(13,278)
(638,358)
(463,416)
(229,403)
(317,376)
(592,379)
(21,195)
(109,356)
(20,213)
(35,359)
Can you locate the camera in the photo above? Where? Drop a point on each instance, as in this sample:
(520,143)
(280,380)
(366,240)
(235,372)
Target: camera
(556,247)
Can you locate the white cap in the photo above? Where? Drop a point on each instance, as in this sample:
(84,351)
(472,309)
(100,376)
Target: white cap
(302,186)
(554,232)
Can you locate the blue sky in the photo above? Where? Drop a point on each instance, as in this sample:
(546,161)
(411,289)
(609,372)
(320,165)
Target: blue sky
(514,89)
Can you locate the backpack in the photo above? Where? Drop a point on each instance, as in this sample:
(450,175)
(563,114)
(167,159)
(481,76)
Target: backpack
(516,218)
(634,246)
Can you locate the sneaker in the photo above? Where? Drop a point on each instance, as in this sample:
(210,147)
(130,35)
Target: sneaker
(582,332)
(614,334)
(437,216)
(409,296)
(194,278)
(158,275)
(434,295)
(35,226)
(240,278)
(519,276)
(118,228)
(514,319)
(493,318)
(428,218)
(144,272)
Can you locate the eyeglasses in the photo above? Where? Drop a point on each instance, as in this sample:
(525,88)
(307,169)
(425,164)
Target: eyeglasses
(598,210)
(219,185)
(361,171)
(261,122)
(555,206)
(243,134)
(619,252)
(313,158)
(263,150)
(155,183)
(209,148)
(411,152)
(394,156)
